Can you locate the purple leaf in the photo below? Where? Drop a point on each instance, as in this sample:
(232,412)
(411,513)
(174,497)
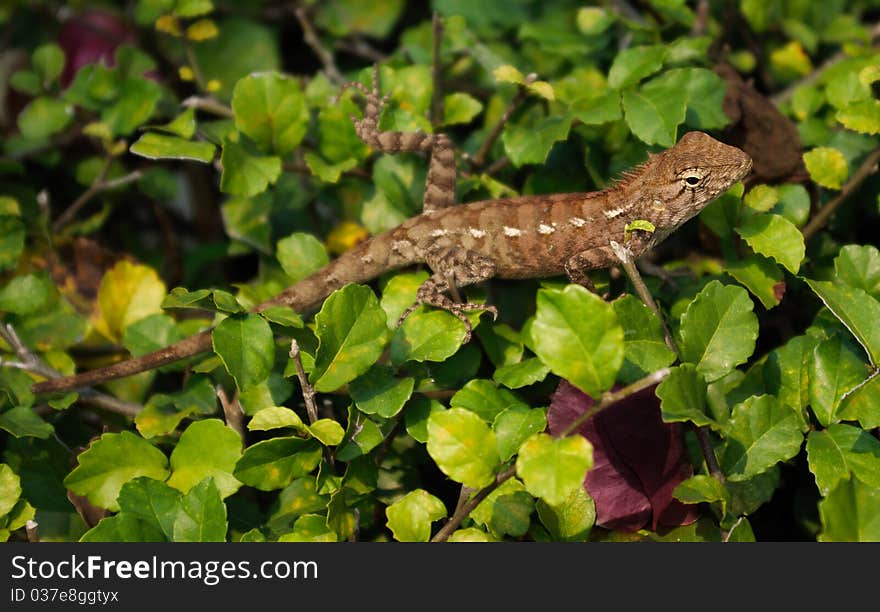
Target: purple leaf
(638,460)
(89,38)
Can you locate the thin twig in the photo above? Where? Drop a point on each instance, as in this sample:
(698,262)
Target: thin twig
(28,361)
(437,94)
(480,157)
(818,221)
(232,410)
(608,398)
(308,390)
(310,37)
(701,21)
(94,189)
(786,94)
(465,509)
(209,105)
(626,259)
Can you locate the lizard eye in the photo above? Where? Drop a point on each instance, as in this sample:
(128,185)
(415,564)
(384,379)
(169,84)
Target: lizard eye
(692,178)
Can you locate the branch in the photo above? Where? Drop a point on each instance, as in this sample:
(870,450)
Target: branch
(308,390)
(30,362)
(311,39)
(608,398)
(99,185)
(868,167)
(466,508)
(480,158)
(32,528)
(232,411)
(209,105)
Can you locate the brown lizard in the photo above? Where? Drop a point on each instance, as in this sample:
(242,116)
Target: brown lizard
(523,237)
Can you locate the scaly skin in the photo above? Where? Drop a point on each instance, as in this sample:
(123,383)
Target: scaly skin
(525,237)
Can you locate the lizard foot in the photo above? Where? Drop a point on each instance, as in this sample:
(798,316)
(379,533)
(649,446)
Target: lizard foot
(454,308)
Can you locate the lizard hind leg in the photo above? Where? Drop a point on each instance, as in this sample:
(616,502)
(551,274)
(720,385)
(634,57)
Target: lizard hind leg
(454,267)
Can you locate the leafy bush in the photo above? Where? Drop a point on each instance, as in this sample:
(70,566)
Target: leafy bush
(167,165)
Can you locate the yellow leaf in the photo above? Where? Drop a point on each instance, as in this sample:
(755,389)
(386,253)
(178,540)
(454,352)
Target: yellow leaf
(543,89)
(203,29)
(128,293)
(213,85)
(168,24)
(186,73)
(508,74)
(791,61)
(344,236)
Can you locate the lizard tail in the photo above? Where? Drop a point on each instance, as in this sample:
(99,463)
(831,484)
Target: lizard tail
(366,261)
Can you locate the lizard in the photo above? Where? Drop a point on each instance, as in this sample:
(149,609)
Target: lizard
(530,236)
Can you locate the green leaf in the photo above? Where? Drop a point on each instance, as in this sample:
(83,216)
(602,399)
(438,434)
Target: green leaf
(470,534)
(592,21)
(10,489)
(776,237)
(859,266)
(841,451)
(206,449)
(794,204)
(363,436)
(531,143)
(180,297)
(283,316)
(761,432)
(243,46)
(275,417)
(597,109)
(410,517)
(834,370)
(572,520)
(427,336)
(273,464)
(851,513)
(123,527)
(352,335)
(247,348)
(327,431)
(271,109)
(300,255)
(643,342)
(683,396)
(761,198)
(110,462)
(483,398)
(12,234)
(296,499)
(655,111)
(460,108)
(202,515)
(577,335)
(134,105)
(515,425)
(48,62)
(827,166)
(418,411)
(718,330)
(506,511)
(862,116)
(327,172)
(761,277)
(247,220)
(463,447)
(183,125)
(44,117)
(23,422)
(702,488)
(635,63)
(246,173)
(553,469)
(516,375)
(162,146)
(380,392)
(310,528)
(787,372)
(863,403)
(149,334)
(857,310)
(151,501)
(705,94)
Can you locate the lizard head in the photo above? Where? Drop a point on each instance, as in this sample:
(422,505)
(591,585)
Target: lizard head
(682,180)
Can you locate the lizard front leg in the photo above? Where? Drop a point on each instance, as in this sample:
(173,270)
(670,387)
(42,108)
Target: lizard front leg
(453,268)
(440,183)
(579,264)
